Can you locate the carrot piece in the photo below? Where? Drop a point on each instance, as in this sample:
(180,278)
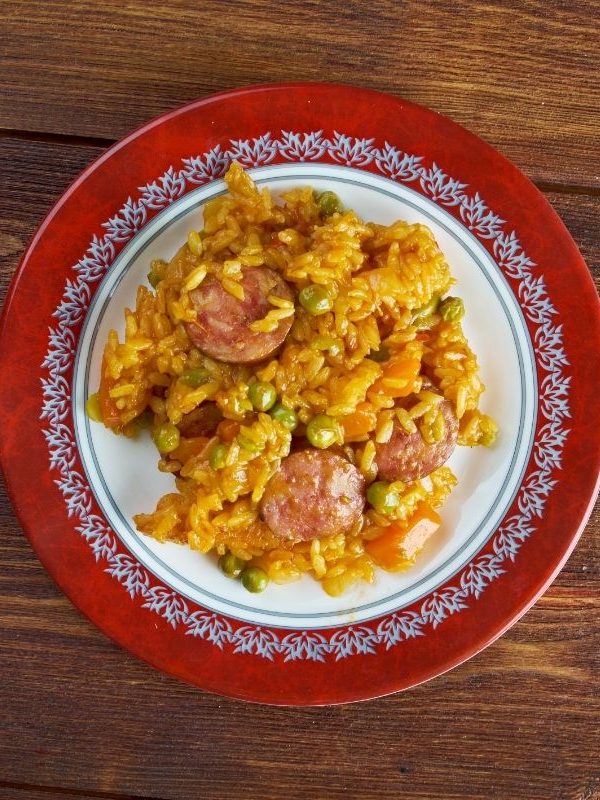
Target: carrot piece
(400,542)
(407,369)
(189,447)
(403,371)
(358,424)
(228,429)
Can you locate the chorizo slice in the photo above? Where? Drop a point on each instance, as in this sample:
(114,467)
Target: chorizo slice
(222,326)
(313,494)
(408,457)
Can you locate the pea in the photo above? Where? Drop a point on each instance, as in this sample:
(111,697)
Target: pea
(195,377)
(382,497)
(380,355)
(246,443)
(255,580)
(154,278)
(286,416)
(427,310)
(217,456)
(158,269)
(333,346)
(262,395)
(144,420)
(452,309)
(328,203)
(315,299)
(488,438)
(322,431)
(93,408)
(231,565)
(166,437)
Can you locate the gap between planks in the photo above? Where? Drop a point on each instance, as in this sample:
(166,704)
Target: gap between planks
(98,141)
(89,794)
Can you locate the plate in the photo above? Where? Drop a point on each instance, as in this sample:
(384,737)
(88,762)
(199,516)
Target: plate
(519,507)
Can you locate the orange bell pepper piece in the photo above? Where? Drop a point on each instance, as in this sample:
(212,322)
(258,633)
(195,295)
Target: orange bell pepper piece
(360,423)
(228,429)
(400,542)
(189,447)
(404,371)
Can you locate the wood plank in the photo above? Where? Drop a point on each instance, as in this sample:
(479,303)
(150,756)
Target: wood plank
(492,728)
(28,792)
(523,75)
(519,720)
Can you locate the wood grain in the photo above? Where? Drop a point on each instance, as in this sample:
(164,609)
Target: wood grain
(26,791)
(523,75)
(518,721)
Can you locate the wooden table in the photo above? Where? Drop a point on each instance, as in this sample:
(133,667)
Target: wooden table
(82,718)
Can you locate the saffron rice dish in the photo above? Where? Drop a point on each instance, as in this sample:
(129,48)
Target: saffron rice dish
(305,377)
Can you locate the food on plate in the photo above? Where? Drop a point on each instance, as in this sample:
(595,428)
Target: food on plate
(313,494)
(228,325)
(411,452)
(305,378)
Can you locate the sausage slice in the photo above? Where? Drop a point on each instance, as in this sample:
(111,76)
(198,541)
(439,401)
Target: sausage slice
(313,494)
(221,329)
(407,456)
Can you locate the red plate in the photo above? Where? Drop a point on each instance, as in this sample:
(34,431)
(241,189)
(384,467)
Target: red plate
(528,292)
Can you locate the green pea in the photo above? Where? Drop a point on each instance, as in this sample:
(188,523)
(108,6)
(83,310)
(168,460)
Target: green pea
(328,203)
(315,299)
(380,355)
(488,438)
(286,416)
(382,497)
(333,346)
(93,408)
(166,437)
(195,377)
(427,310)
(231,565)
(217,456)
(322,431)
(144,420)
(452,309)
(255,580)
(158,269)
(246,443)
(262,395)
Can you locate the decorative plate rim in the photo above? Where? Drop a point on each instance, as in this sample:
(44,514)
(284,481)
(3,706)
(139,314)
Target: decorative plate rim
(343,640)
(68,558)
